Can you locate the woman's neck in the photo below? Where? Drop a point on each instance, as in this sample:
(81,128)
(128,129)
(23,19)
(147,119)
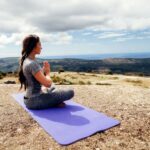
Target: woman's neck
(31,57)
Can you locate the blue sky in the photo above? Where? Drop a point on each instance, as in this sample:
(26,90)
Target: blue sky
(73,27)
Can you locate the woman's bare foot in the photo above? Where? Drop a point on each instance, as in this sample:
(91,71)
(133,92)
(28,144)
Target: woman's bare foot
(61,105)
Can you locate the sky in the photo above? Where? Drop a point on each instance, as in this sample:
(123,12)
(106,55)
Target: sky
(74,27)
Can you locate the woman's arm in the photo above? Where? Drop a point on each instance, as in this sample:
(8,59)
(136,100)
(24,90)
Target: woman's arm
(44,80)
(44,89)
(37,72)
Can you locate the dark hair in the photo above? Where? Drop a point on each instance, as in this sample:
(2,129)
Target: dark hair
(28,44)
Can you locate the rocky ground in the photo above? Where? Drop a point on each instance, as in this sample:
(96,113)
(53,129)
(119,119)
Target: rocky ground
(126,98)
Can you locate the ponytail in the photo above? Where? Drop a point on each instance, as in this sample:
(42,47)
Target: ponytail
(22,78)
(28,44)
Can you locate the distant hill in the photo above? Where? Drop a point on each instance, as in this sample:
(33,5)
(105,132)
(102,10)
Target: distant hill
(139,66)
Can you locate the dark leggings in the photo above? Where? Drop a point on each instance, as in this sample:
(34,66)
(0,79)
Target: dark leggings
(52,98)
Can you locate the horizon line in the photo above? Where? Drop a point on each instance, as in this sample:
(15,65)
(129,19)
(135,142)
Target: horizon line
(82,54)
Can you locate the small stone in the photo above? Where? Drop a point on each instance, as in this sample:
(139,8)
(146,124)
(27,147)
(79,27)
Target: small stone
(19,130)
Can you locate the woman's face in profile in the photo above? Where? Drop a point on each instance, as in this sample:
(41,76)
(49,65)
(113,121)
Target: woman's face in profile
(38,48)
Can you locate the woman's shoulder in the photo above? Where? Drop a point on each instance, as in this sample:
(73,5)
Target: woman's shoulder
(30,61)
(27,62)
(32,65)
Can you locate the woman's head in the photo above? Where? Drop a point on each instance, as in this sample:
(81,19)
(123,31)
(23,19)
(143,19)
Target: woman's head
(31,45)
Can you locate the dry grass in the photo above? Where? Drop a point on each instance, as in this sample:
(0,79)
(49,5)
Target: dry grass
(84,78)
(138,82)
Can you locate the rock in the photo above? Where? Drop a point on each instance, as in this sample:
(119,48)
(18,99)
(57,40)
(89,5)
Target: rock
(10,82)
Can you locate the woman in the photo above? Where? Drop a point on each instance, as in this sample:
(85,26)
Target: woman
(33,77)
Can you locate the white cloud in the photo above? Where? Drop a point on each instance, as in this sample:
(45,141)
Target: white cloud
(123,35)
(132,36)
(111,35)
(87,33)
(54,18)
(55,38)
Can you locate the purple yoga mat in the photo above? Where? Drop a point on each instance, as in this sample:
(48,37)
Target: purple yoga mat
(71,123)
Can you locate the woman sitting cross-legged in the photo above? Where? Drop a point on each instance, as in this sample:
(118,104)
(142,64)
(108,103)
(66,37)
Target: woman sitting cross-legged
(34,78)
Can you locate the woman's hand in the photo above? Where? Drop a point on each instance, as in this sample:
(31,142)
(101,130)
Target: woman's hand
(46,67)
(44,89)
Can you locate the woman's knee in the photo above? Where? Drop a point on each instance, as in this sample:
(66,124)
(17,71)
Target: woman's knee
(71,91)
(69,94)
